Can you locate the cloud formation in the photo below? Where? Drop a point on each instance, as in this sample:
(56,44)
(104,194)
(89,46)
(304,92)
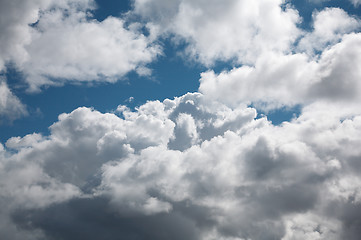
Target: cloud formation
(54,42)
(203,165)
(205,170)
(228,30)
(329,26)
(278,80)
(57,42)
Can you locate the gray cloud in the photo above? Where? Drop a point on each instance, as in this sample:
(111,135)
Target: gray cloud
(73,220)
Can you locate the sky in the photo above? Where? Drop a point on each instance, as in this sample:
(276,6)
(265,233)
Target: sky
(180,119)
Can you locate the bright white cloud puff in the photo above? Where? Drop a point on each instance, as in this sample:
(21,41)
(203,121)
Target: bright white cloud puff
(278,80)
(228,30)
(55,42)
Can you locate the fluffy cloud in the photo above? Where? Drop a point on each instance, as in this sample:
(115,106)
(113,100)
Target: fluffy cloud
(15,32)
(282,66)
(53,42)
(203,169)
(73,49)
(16,16)
(277,80)
(203,165)
(10,106)
(227,30)
(329,26)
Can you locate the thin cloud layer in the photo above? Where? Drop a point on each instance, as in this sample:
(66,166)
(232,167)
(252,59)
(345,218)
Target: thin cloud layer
(356,3)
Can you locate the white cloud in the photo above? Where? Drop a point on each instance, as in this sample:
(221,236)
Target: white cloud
(275,80)
(309,227)
(10,106)
(278,80)
(23,142)
(329,25)
(17,15)
(200,166)
(227,30)
(73,49)
(15,32)
(66,44)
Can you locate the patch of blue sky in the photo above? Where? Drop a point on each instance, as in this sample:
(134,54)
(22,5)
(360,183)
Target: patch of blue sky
(280,115)
(106,8)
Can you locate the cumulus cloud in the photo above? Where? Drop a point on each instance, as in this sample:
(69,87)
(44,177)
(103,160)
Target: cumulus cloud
(73,49)
(16,16)
(15,32)
(54,42)
(279,80)
(10,106)
(227,30)
(329,26)
(202,165)
(205,170)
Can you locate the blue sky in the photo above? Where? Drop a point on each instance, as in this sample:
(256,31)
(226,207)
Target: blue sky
(217,119)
